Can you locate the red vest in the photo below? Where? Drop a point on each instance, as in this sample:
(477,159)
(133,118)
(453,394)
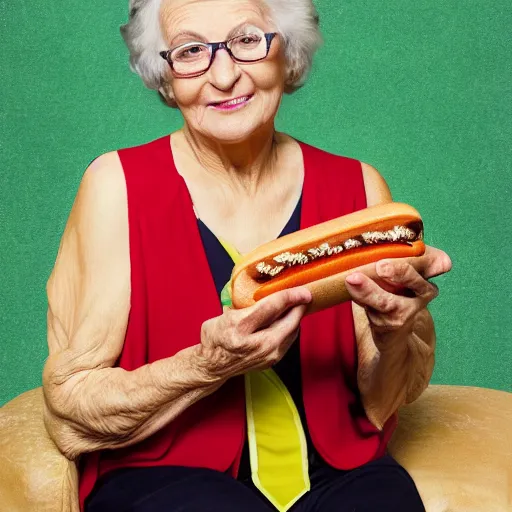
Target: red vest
(173,293)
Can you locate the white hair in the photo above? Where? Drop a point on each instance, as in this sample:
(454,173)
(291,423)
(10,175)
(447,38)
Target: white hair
(296,21)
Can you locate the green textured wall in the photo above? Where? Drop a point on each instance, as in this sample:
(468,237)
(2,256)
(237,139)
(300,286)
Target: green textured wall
(421,90)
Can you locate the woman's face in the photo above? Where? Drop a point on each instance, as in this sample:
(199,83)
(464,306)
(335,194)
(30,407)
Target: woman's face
(258,85)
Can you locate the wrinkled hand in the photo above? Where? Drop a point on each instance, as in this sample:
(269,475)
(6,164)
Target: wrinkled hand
(400,292)
(254,338)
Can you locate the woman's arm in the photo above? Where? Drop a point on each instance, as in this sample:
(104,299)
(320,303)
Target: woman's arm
(89,404)
(391,377)
(395,366)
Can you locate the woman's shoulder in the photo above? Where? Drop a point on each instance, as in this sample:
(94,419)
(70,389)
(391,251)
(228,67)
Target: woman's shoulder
(101,193)
(146,147)
(312,149)
(330,161)
(376,187)
(143,164)
(115,161)
(105,171)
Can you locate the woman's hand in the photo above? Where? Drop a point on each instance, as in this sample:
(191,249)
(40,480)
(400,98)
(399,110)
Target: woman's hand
(393,301)
(253,338)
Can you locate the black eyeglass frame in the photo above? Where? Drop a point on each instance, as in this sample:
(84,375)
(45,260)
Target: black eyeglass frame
(214,48)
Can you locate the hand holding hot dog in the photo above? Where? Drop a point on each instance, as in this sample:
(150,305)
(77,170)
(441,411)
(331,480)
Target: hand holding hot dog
(375,257)
(400,291)
(253,338)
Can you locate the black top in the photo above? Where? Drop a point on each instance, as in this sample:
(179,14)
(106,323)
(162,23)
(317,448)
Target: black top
(288,369)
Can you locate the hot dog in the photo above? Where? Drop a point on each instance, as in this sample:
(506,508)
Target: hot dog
(320,257)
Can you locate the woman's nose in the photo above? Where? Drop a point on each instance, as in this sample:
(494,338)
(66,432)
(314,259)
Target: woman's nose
(224,72)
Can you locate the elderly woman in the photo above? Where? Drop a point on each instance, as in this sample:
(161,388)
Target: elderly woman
(169,401)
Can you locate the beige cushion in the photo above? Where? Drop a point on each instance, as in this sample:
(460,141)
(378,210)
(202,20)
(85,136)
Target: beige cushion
(34,476)
(454,441)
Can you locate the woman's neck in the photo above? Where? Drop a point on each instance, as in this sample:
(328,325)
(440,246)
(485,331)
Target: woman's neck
(246,166)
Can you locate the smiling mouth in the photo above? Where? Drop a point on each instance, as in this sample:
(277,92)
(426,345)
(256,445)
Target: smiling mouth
(231,104)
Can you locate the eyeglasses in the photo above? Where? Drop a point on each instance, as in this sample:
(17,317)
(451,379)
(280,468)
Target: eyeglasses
(194,59)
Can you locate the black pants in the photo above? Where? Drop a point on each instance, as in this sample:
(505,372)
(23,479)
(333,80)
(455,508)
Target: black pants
(382,485)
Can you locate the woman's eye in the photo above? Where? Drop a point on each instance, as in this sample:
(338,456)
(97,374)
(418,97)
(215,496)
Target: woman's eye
(191,52)
(249,39)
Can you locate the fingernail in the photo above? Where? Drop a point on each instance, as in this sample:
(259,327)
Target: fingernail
(354,279)
(448,263)
(308,296)
(305,295)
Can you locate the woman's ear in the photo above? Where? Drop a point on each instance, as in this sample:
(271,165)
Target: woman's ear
(167,94)
(293,75)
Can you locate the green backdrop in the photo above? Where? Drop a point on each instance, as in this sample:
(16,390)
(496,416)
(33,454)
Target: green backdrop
(421,90)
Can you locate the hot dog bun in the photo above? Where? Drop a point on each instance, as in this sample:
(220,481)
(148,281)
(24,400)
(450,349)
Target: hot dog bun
(354,242)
